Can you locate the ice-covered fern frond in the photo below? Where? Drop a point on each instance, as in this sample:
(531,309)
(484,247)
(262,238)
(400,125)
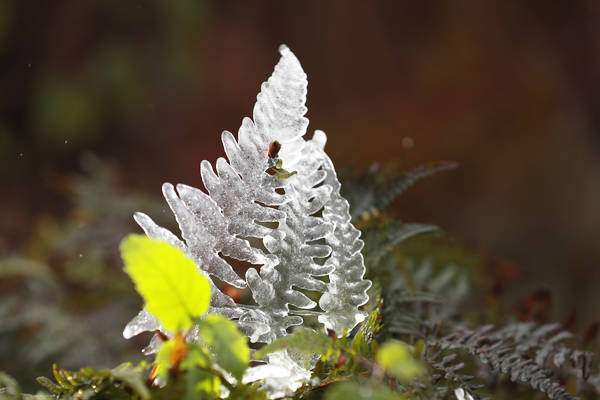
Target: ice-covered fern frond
(273,202)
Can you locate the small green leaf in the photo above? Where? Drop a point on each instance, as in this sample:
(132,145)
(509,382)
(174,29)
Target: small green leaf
(355,391)
(49,385)
(9,386)
(197,356)
(226,342)
(133,377)
(364,337)
(61,377)
(201,382)
(283,174)
(396,358)
(173,289)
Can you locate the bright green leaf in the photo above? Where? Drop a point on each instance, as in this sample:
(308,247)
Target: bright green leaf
(173,289)
(199,382)
(364,337)
(226,342)
(199,379)
(197,356)
(49,385)
(396,358)
(355,391)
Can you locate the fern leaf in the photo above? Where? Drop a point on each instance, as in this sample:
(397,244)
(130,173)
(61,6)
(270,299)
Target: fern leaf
(347,289)
(300,217)
(380,242)
(370,193)
(397,186)
(509,350)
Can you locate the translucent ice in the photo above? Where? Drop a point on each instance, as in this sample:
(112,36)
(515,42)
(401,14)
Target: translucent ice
(281,375)
(293,227)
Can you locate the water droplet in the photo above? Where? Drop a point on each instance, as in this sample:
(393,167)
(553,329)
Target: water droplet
(29,65)
(20,154)
(80,255)
(407,142)
(66,141)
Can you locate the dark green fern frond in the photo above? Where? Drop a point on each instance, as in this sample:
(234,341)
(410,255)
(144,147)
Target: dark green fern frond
(420,295)
(522,351)
(409,314)
(394,187)
(374,193)
(448,369)
(380,241)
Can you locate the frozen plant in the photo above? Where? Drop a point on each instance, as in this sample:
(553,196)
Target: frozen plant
(306,241)
(462,395)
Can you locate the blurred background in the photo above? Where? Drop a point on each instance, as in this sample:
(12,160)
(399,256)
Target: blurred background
(102,101)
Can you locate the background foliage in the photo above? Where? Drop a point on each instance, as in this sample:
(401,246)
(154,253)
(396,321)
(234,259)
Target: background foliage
(508,90)
(427,336)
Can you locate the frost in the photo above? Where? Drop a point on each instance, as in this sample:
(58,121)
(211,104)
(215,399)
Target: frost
(281,375)
(292,225)
(461,394)
(347,288)
(142,322)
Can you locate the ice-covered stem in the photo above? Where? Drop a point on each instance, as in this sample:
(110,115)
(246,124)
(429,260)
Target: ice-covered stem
(347,289)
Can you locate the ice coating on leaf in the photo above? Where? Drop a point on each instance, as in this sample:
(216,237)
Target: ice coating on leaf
(294,227)
(154,231)
(242,198)
(154,346)
(281,375)
(280,107)
(461,394)
(275,288)
(220,303)
(142,322)
(256,324)
(347,290)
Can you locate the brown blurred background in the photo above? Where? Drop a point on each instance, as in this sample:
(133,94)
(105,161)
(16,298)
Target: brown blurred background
(509,89)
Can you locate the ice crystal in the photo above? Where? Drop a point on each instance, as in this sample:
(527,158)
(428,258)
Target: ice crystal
(461,394)
(281,375)
(298,214)
(347,288)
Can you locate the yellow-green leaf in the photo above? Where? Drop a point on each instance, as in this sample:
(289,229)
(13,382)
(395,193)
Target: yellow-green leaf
(356,391)
(226,342)
(201,384)
(174,291)
(396,358)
